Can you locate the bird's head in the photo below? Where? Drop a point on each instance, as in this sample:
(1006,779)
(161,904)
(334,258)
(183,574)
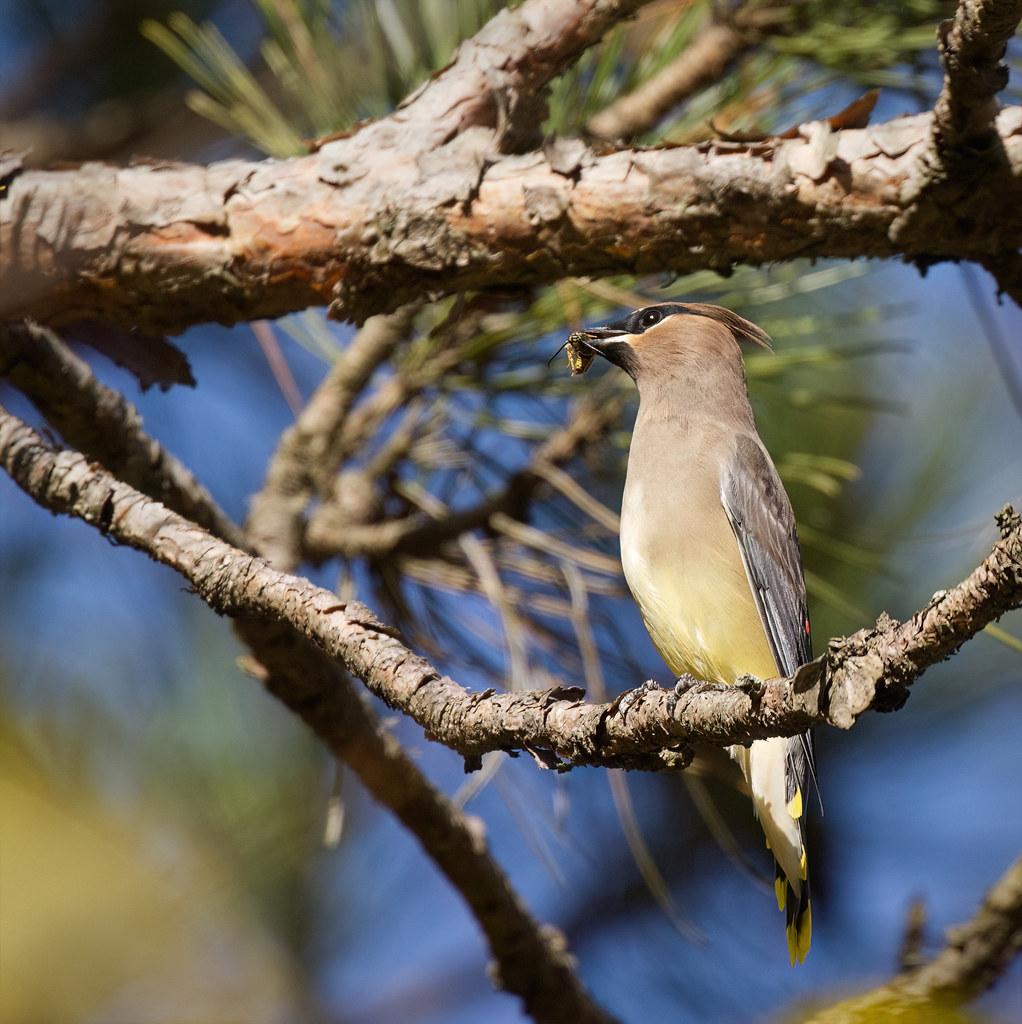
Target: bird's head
(656,339)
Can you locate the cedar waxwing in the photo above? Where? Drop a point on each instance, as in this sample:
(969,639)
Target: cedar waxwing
(709,548)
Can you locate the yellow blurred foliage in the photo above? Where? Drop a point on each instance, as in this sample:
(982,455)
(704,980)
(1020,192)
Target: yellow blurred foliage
(113,921)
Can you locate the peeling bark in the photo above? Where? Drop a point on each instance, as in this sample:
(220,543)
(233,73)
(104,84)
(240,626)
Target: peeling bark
(369,227)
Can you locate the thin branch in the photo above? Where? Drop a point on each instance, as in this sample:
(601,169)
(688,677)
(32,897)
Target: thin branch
(102,422)
(869,670)
(497,76)
(164,247)
(976,955)
(329,533)
(703,62)
(532,960)
(306,454)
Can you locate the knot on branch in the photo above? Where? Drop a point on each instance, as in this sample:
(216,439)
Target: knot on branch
(1008,521)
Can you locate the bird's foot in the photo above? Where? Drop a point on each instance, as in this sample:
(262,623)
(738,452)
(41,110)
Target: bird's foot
(685,683)
(623,701)
(752,686)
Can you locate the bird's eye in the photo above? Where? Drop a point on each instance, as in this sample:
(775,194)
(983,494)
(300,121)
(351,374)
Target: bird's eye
(650,318)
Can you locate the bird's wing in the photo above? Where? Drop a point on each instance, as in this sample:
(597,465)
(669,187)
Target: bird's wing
(764,525)
(760,515)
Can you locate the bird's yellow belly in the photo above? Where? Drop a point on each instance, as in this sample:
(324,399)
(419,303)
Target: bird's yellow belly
(695,599)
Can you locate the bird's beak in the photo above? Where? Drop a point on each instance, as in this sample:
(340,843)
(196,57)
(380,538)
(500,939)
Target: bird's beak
(596,334)
(611,343)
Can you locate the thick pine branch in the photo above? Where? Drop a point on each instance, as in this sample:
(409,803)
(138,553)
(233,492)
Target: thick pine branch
(368,224)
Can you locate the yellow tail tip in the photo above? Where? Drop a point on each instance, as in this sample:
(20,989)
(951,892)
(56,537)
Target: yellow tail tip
(781,891)
(805,934)
(795,804)
(800,937)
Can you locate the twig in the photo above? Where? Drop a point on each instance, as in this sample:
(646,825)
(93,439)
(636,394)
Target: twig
(910,957)
(306,453)
(330,534)
(869,670)
(704,61)
(975,956)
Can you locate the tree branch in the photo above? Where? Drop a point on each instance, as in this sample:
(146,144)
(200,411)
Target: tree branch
(871,669)
(305,456)
(703,62)
(976,955)
(966,152)
(102,422)
(330,534)
(531,960)
(972,47)
(497,75)
(374,226)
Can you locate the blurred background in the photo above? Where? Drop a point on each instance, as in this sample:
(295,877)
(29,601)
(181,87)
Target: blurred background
(163,854)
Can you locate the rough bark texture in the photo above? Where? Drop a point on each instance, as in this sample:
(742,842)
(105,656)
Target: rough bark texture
(975,956)
(972,48)
(370,225)
(964,154)
(871,669)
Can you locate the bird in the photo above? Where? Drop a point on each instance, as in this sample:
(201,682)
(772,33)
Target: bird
(709,546)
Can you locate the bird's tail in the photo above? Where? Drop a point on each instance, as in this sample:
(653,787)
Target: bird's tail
(776,771)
